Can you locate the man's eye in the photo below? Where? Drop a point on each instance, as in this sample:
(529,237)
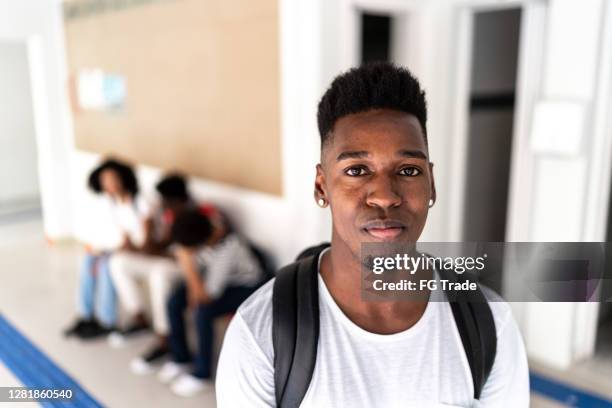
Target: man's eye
(355,171)
(410,171)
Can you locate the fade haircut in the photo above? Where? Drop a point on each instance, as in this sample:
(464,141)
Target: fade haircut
(379,85)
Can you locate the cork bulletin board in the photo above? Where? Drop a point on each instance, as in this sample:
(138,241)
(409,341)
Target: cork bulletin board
(202,86)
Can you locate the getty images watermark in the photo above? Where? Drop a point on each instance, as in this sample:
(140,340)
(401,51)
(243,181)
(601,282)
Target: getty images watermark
(518,271)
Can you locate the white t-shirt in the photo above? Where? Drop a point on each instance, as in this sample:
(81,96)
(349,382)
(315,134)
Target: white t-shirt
(106,221)
(424,366)
(129,218)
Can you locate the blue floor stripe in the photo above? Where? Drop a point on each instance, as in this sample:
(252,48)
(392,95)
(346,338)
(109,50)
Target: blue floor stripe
(48,374)
(39,371)
(26,367)
(36,370)
(566,394)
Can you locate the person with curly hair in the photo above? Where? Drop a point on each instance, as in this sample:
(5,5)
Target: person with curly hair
(116,182)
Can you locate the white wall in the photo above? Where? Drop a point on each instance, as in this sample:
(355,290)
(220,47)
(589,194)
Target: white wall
(561,206)
(18,160)
(559,203)
(39,22)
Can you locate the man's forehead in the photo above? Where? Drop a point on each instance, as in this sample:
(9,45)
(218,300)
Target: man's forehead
(377,117)
(377,130)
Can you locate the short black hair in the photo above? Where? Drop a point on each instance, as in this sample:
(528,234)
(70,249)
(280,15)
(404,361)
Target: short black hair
(191,228)
(173,187)
(377,85)
(124,170)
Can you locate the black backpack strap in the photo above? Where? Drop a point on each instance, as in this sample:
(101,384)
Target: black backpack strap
(313,250)
(284,326)
(476,326)
(295,329)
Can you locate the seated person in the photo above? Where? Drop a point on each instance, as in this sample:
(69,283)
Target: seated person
(154,263)
(220,273)
(96,297)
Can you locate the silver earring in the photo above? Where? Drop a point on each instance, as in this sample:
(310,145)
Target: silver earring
(431,202)
(322,203)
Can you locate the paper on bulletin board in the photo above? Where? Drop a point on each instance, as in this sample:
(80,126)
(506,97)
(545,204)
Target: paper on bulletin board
(100,91)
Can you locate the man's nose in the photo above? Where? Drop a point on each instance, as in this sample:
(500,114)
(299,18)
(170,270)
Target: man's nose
(382,192)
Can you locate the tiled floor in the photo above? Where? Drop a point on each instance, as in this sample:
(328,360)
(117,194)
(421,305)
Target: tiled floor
(31,270)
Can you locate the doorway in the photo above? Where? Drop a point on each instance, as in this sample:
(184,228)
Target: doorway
(376,38)
(492,95)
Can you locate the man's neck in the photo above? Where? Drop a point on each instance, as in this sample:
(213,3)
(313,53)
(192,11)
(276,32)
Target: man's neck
(341,272)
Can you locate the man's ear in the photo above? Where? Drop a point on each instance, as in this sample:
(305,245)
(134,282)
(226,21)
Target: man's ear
(433,183)
(320,190)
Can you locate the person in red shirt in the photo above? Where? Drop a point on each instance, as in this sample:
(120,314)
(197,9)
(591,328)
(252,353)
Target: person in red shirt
(154,263)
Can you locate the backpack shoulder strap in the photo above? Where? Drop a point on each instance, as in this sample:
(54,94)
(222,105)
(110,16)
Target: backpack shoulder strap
(476,326)
(295,329)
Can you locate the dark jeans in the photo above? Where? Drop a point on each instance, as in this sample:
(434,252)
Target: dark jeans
(204,316)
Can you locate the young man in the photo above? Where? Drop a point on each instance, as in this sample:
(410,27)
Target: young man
(154,263)
(220,272)
(376,177)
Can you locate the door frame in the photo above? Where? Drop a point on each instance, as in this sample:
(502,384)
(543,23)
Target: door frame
(529,67)
(529,71)
(350,16)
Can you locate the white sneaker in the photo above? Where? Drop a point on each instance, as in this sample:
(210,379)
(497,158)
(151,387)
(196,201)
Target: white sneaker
(171,370)
(140,367)
(187,385)
(116,340)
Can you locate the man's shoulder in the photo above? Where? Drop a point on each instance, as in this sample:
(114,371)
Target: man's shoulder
(501,310)
(256,312)
(258,303)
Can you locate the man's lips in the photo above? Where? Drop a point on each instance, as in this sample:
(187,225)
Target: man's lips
(384,229)
(384,233)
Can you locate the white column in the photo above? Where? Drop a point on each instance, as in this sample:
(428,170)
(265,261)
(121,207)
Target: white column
(559,199)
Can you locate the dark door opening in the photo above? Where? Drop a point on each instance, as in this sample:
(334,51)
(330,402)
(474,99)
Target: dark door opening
(490,129)
(376,38)
(491,116)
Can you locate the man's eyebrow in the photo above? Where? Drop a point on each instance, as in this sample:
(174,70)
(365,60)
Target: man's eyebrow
(352,155)
(419,154)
